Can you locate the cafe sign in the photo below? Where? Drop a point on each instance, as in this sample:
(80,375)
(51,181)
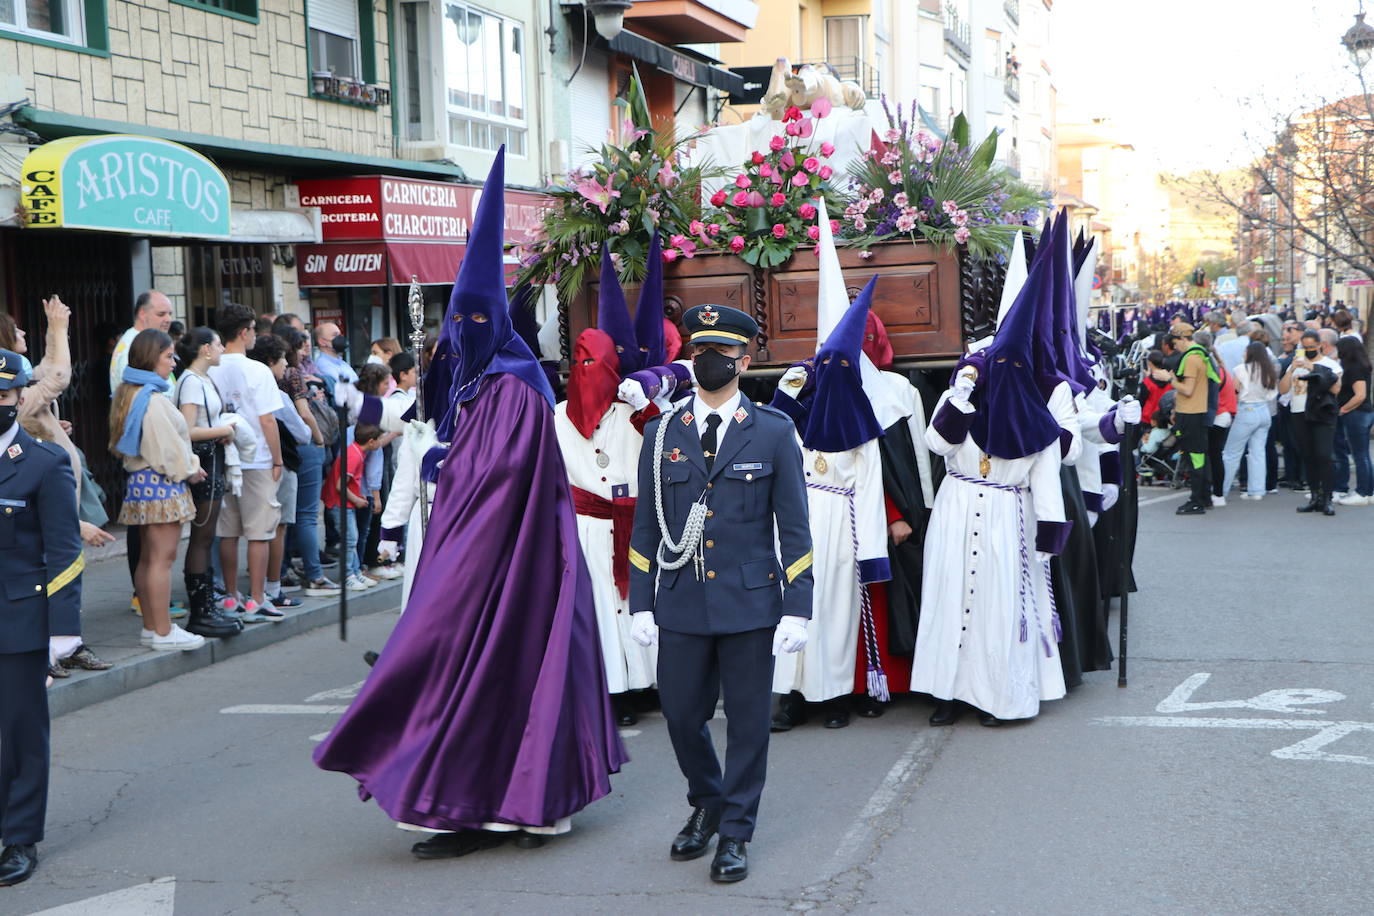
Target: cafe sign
(124,183)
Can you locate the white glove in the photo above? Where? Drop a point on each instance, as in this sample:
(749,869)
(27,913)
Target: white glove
(234,473)
(643,630)
(963,385)
(1110,494)
(1127,412)
(790,636)
(632,393)
(348,396)
(388,550)
(420,438)
(792,381)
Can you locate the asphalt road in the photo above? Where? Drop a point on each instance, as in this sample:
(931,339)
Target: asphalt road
(1233,775)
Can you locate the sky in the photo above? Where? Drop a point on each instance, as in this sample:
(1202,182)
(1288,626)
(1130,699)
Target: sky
(1197,83)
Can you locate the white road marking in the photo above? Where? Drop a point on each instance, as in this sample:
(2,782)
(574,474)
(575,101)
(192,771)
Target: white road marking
(630,733)
(320,737)
(338,693)
(1270,701)
(1162,499)
(283,709)
(157,898)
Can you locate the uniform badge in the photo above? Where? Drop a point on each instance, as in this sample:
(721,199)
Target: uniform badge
(740,415)
(687,418)
(676,455)
(708,315)
(14,450)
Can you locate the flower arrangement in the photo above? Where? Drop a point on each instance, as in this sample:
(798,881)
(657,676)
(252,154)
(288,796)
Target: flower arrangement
(621,199)
(769,210)
(913,185)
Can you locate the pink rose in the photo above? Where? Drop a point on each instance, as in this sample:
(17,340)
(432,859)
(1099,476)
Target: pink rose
(800,180)
(676,240)
(776,144)
(757,158)
(793,129)
(778,199)
(788,161)
(834,225)
(825,172)
(696,227)
(713,229)
(827,149)
(807,211)
(741,181)
(961,234)
(737,244)
(741,199)
(718,199)
(811,163)
(766,170)
(779,230)
(813,232)
(670,255)
(793,113)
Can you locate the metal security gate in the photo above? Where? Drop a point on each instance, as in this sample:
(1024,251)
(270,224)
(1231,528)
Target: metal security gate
(219,274)
(91,273)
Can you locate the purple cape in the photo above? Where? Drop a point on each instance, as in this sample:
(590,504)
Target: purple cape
(489,701)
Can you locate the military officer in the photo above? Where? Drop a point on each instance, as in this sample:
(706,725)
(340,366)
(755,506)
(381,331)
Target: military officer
(40,566)
(716,475)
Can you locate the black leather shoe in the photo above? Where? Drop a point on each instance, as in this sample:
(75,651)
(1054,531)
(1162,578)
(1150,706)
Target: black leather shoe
(1327,509)
(1192,508)
(946,713)
(791,713)
(525,840)
(17,864)
(453,845)
(624,712)
(870,708)
(731,863)
(695,836)
(370,657)
(988,720)
(837,712)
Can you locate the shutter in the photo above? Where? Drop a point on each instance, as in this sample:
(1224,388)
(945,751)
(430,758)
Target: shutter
(591,108)
(338,17)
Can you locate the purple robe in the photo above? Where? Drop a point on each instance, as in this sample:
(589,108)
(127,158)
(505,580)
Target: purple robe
(489,702)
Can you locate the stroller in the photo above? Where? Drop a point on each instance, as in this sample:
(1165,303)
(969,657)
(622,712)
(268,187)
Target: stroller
(1159,459)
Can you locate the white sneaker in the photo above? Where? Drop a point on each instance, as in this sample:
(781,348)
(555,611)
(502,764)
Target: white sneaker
(357,583)
(177,640)
(146,637)
(1256,497)
(1353,499)
(383,572)
(1218,502)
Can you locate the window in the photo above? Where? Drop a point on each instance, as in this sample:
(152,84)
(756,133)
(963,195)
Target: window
(59,20)
(414,69)
(334,37)
(992,47)
(238,9)
(484,67)
(844,40)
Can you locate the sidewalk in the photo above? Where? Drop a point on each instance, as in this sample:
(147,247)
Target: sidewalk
(111,630)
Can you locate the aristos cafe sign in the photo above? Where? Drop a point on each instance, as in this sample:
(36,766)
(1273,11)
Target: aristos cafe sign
(124,183)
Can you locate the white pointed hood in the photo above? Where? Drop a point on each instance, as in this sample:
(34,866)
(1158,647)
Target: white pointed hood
(1016,276)
(1083,292)
(831,304)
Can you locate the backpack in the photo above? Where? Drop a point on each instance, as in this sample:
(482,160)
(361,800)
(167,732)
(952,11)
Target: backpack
(326,418)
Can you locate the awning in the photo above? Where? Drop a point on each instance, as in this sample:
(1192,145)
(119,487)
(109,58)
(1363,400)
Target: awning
(275,227)
(683,64)
(377,263)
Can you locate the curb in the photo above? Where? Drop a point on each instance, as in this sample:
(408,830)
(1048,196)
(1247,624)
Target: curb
(84,689)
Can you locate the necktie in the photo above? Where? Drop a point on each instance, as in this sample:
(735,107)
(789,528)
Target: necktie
(708,440)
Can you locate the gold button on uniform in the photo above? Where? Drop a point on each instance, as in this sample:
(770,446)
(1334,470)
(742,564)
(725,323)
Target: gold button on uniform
(9,511)
(38,588)
(710,486)
(710,573)
(748,476)
(772,575)
(710,543)
(710,513)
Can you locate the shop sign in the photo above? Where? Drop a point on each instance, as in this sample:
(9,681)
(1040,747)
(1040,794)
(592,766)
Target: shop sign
(376,207)
(359,264)
(124,183)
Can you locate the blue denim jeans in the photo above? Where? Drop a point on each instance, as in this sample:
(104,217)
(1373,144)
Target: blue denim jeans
(349,557)
(1352,442)
(1248,434)
(304,534)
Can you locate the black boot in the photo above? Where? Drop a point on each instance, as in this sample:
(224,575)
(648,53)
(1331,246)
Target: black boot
(624,711)
(1313,505)
(206,619)
(946,712)
(836,712)
(791,712)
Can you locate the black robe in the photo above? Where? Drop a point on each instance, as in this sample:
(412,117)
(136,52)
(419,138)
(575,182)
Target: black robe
(1077,594)
(902,485)
(1115,534)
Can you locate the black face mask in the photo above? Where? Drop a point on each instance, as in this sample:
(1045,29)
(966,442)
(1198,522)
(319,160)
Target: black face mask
(340,345)
(7,417)
(714,370)
(1310,353)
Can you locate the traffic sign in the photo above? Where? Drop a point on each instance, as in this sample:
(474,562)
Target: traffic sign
(1228,286)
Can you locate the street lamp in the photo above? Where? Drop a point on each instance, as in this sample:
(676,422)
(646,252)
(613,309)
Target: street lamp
(610,16)
(1359,41)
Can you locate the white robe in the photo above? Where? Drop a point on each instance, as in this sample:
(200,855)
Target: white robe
(824,669)
(403,503)
(968,643)
(629,666)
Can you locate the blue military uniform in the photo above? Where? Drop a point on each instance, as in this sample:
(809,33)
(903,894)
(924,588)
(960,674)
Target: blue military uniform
(40,566)
(717,613)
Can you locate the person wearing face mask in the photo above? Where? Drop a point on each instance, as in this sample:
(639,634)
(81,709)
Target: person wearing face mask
(718,477)
(41,562)
(486,716)
(1310,387)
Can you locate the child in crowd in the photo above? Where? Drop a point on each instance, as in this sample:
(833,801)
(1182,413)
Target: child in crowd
(366,439)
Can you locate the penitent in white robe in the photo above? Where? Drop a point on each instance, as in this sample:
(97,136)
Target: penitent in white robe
(968,645)
(824,669)
(629,666)
(403,502)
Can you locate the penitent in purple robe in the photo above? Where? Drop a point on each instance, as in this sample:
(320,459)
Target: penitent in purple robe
(489,702)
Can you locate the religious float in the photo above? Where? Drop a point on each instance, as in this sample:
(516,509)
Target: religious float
(932,216)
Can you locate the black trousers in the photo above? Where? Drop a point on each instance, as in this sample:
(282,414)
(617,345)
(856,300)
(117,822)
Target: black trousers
(23,746)
(1193,440)
(1216,444)
(1286,426)
(1316,441)
(691,672)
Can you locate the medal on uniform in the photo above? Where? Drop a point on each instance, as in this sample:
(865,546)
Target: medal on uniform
(984,466)
(821,464)
(602,460)
(15,451)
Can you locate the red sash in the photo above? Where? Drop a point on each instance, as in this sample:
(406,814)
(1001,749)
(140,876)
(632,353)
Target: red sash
(621,512)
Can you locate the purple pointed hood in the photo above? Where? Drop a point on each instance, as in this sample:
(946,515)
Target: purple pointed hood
(836,415)
(478,338)
(1068,355)
(1048,371)
(1011,419)
(649,312)
(613,317)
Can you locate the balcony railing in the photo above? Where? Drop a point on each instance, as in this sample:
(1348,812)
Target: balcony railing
(1013,10)
(958,33)
(851,68)
(1013,87)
